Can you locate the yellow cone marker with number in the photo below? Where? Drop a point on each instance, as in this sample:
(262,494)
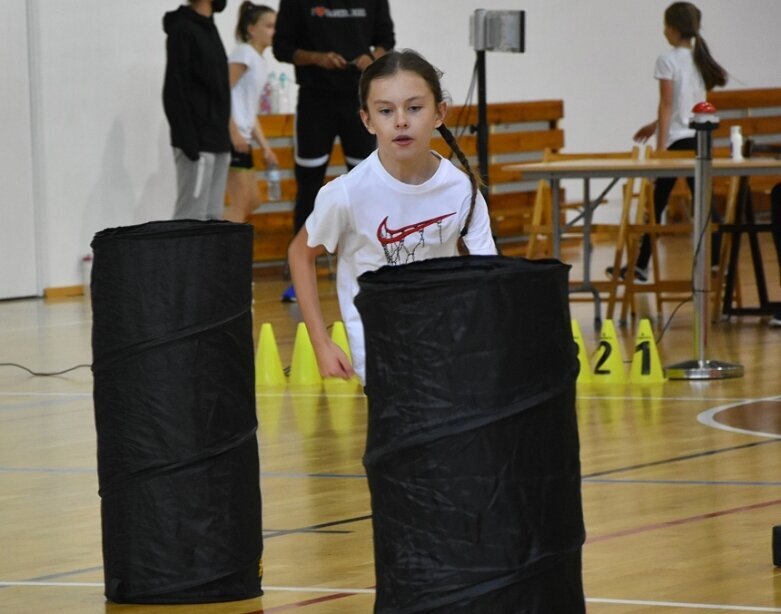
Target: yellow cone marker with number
(646,365)
(608,363)
(584,375)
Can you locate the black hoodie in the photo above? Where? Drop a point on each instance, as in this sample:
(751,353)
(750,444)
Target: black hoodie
(196,92)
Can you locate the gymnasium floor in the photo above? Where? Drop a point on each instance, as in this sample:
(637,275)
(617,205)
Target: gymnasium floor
(681,481)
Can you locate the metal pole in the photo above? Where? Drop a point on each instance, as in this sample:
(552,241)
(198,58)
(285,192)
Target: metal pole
(704,122)
(482,122)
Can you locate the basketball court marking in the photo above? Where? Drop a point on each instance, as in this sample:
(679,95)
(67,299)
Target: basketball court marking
(335,593)
(708,418)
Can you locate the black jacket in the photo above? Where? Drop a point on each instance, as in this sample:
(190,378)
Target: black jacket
(196,92)
(348,27)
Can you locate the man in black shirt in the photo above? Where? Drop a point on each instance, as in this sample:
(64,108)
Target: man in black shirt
(330,42)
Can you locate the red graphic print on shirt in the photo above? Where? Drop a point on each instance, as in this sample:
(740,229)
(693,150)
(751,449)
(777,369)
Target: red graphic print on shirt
(392,239)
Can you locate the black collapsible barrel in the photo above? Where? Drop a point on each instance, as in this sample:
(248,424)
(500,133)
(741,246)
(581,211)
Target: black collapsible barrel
(175,414)
(472,453)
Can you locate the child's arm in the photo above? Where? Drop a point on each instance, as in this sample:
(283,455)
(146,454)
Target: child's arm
(268,154)
(331,360)
(665,113)
(235,72)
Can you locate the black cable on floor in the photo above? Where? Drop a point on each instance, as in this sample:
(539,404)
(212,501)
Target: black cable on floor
(41,373)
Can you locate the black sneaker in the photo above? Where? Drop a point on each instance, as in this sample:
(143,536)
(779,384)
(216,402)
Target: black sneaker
(641,275)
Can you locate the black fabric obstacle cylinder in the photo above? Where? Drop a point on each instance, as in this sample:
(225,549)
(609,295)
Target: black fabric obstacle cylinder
(174,397)
(472,452)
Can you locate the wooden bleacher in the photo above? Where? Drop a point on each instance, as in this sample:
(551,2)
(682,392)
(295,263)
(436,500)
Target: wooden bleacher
(518,132)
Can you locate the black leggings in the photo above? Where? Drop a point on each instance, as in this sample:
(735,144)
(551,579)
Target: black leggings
(775,219)
(321,116)
(662,188)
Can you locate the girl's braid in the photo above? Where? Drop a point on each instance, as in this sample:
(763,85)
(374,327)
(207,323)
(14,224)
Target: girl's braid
(451,141)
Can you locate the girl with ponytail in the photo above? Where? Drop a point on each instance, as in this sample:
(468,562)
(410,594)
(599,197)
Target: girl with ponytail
(247,75)
(403,203)
(685,74)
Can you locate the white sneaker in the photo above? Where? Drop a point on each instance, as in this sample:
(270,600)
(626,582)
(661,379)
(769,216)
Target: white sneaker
(775,321)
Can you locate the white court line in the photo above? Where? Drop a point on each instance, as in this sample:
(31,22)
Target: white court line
(49,584)
(689,606)
(8,331)
(665,398)
(370,591)
(78,395)
(732,402)
(708,418)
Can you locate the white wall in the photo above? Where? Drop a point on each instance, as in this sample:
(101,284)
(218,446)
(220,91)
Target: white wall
(102,154)
(17,215)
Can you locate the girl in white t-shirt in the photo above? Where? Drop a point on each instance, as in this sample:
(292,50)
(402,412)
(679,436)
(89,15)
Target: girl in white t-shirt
(685,73)
(247,74)
(403,203)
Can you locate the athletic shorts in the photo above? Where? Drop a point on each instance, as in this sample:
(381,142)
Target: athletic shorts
(241,159)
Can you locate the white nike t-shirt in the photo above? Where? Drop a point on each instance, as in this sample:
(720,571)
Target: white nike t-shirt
(375,220)
(245,95)
(677,65)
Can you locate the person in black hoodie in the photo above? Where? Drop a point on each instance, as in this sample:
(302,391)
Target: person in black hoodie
(330,42)
(196,98)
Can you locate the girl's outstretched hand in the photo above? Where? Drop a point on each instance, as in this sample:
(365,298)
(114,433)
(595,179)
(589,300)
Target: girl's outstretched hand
(645,133)
(333,362)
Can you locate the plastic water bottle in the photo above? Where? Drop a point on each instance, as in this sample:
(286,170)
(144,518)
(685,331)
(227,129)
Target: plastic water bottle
(284,94)
(736,142)
(274,189)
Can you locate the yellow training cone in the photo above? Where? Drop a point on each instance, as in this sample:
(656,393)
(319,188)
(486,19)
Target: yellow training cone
(268,366)
(339,337)
(584,375)
(609,364)
(303,367)
(646,365)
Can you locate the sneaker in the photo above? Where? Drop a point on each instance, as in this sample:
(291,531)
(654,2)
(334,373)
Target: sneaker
(289,295)
(775,321)
(641,275)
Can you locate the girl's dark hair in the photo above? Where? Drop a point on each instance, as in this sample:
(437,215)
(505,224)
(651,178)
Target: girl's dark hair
(685,17)
(249,14)
(411,61)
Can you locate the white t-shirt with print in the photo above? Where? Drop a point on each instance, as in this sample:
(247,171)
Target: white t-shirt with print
(677,65)
(375,220)
(245,95)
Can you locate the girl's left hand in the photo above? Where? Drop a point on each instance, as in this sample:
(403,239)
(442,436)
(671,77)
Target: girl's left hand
(645,133)
(333,362)
(270,157)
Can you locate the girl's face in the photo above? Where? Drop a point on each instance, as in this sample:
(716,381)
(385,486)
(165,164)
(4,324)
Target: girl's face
(261,32)
(403,115)
(672,35)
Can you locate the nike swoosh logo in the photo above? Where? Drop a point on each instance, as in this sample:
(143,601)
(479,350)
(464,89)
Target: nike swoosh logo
(387,235)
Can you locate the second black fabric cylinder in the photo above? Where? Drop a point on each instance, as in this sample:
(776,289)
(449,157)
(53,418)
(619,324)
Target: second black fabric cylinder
(472,452)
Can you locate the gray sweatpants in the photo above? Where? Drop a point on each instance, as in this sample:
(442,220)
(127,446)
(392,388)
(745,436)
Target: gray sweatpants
(200,186)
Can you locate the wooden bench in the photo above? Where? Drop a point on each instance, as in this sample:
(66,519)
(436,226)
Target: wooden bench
(518,132)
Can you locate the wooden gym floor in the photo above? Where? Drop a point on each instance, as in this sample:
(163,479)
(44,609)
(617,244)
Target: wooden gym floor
(681,481)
